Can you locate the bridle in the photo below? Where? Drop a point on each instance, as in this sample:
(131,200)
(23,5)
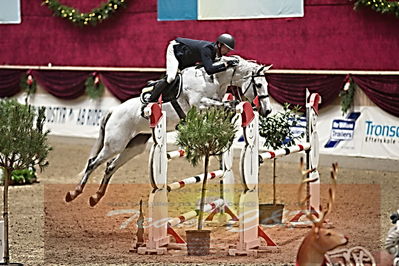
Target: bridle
(252,84)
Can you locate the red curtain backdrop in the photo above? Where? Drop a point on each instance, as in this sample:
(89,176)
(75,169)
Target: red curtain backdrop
(62,84)
(284,88)
(331,35)
(71,84)
(291,88)
(10,82)
(125,85)
(382,90)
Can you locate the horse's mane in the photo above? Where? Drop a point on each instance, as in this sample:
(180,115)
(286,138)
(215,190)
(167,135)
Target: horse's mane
(245,64)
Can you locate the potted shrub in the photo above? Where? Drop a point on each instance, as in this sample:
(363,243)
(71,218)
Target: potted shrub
(276,129)
(204,133)
(23,145)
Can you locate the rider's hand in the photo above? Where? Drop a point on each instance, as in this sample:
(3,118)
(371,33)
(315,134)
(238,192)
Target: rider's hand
(232,63)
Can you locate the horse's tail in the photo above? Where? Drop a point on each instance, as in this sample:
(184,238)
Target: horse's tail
(99,144)
(100,140)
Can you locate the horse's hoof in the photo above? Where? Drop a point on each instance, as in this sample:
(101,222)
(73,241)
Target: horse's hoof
(94,199)
(68,197)
(71,195)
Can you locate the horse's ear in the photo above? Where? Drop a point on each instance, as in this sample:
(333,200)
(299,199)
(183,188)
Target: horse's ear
(260,70)
(266,68)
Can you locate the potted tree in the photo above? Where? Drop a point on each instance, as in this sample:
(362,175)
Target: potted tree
(277,131)
(23,145)
(204,133)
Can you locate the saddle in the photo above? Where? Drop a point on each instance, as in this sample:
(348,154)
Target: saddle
(170,93)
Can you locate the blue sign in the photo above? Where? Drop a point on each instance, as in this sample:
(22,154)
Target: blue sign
(342,130)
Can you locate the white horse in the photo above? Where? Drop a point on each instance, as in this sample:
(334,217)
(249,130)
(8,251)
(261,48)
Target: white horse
(124,132)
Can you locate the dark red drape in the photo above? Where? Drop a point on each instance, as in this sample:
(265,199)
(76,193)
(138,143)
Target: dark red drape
(62,84)
(382,90)
(290,88)
(10,82)
(125,85)
(284,88)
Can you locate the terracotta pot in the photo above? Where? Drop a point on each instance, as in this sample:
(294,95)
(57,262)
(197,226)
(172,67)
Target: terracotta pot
(270,213)
(198,242)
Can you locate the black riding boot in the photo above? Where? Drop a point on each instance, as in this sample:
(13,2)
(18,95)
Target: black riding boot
(156,92)
(158,89)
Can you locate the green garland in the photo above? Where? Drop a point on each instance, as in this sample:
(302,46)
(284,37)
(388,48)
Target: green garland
(347,96)
(94,87)
(28,83)
(380,6)
(94,17)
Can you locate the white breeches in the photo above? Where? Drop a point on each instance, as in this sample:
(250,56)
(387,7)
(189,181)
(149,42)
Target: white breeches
(172,65)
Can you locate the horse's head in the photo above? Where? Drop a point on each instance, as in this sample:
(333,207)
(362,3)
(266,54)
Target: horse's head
(249,77)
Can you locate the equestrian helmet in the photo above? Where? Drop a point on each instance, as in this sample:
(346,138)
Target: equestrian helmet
(227,40)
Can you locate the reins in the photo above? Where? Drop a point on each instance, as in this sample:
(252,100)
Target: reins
(240,93)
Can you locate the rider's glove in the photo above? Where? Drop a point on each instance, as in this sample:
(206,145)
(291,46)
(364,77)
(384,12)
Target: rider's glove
(232,63)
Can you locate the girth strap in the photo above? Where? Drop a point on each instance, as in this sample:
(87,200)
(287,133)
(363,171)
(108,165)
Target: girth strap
(178,109)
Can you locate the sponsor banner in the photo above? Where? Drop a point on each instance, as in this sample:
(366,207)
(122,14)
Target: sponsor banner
(238,9)
(72,118)
(367,131)
(10,12)
(228,9)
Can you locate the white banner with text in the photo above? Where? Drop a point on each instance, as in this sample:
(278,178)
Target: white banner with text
(367,131)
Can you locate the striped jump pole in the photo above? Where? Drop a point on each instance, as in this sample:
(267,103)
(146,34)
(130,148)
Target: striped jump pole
(284,152)
(194,179)
(194,213)
(175,154)
(217,204)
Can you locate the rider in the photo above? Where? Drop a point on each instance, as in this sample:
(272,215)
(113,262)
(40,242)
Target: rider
(182,53)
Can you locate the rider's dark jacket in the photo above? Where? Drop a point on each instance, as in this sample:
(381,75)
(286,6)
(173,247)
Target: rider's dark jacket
(189,52)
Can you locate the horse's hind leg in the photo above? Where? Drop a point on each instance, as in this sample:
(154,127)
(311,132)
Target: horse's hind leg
(71,195)
(92,165)
(98,146)
(135,146)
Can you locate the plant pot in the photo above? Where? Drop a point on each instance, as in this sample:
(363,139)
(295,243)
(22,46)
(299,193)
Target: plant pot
(198,242)
(270,214)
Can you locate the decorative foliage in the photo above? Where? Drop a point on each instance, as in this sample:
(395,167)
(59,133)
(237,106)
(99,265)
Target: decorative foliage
(202,134)
(21,177)
(276,129)
(28,83)
(94,17)
(23,145)
(23,141)
(380,6)
(94,87)
(347,95)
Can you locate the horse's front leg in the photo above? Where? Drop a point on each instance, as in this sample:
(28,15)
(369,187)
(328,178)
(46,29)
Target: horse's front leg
(208,102)
(134,147)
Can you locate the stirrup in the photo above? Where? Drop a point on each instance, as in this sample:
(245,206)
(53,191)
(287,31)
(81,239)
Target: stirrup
(143,106)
